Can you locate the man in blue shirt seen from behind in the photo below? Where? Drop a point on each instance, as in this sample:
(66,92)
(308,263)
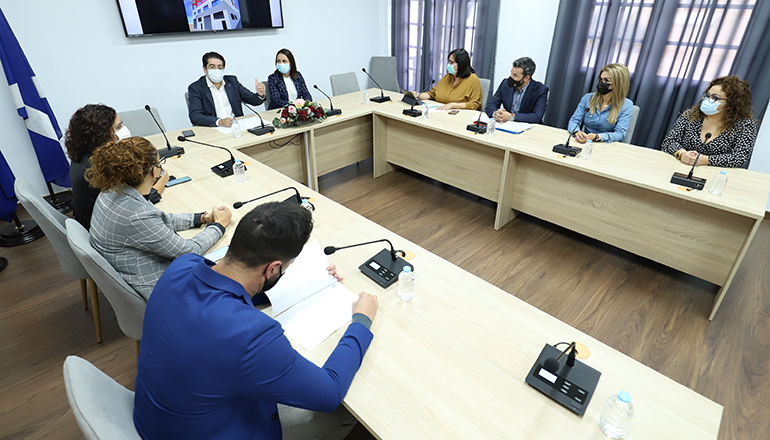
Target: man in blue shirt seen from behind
(211,366)
(523,99)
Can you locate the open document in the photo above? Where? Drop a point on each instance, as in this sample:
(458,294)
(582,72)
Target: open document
(308,302)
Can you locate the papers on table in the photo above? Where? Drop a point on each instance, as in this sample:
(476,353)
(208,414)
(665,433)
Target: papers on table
(508,127)
(217,254)
(308,302)
(246,123)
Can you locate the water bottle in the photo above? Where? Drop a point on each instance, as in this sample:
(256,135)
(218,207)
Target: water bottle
(616,415)
(366,97)
(588,148)
(406,284)
(239,169)
(425,111)
(491,127)
(236,127)
(718,184)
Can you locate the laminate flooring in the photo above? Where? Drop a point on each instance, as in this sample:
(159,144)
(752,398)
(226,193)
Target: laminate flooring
(652,313)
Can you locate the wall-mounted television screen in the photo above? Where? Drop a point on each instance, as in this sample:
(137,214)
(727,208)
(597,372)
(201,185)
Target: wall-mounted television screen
(158,17)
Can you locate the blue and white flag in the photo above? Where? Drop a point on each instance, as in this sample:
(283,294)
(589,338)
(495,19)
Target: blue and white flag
(8,201)
(33,107)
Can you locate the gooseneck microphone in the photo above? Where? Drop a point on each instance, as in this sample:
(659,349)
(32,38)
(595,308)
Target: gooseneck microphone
(169,151)
(383,268)
(225,168)
(552,364)
(564,148)
(328,250)
(688,180)
(331,111)
(477,127)
(259,131)
(296,198)
(415,113)
(382,98)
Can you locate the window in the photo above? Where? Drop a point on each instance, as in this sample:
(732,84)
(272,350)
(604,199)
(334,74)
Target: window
(219,15)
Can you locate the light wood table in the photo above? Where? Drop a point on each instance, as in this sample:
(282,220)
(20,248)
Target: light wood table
(621,196)
(451,363)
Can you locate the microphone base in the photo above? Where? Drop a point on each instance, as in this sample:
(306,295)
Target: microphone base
(380,99)
(413,113)
(259,131)
(567,150)
(572,387)
(333,112)
(174,151)
(693,182)
(382,269)
(224,169)
(477,128)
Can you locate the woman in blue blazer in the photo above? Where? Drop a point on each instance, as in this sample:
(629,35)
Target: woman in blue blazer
(286,84)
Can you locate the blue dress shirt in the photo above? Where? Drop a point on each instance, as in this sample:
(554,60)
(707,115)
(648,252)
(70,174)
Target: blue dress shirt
(211,366)
(597,122)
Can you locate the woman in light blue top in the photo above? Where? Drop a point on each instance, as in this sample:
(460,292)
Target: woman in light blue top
(607,111)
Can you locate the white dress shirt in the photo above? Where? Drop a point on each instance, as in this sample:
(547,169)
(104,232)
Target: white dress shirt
(291,89)
(221,102)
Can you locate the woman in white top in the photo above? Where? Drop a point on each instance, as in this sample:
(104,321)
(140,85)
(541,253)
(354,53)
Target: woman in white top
(286,83)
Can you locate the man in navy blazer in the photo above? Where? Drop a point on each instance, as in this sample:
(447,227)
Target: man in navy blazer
(523,98)
(215,97)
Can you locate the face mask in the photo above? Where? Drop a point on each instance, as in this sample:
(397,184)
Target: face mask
(709,108)
(216,75)
(123,133)
(450,68)
(513,83)
(283,68)
(269,284)
(603,88)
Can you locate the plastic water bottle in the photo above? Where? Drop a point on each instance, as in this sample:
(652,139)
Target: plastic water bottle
(491,127)
(406,284)
(236,127)
(366,97)
(425,111)
(616,415)
(239,169)
(588,148)
(718,184)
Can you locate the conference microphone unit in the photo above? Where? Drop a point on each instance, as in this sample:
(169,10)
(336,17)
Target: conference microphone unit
(225,168)
(571,383)
(412,112)
(259,131)
(331,111)
(565,148)
(382,98)
(169,151)
(383,268)
(477,127)
(688,180)
(294,198)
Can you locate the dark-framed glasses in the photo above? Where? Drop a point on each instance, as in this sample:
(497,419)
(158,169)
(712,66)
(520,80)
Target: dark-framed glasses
(605,80)
(712,98)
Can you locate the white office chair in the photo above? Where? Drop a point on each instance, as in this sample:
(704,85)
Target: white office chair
(140,122)
(343,83)
(484,91)
(103,408)
(383,69)
(632,125)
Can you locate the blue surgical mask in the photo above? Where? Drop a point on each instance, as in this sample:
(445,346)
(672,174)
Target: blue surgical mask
(216,75)
(283,68)
(451,68)
(709,108)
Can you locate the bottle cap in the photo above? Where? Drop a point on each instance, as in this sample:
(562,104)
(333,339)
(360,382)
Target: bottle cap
(723,172)
(407,269)
(237,160)
(624,397)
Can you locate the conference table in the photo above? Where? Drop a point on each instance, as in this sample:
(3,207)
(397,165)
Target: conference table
(450,363)
(620,196)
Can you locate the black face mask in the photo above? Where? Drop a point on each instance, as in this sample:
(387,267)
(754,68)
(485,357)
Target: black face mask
(269,284)
(603,88)
(513,83)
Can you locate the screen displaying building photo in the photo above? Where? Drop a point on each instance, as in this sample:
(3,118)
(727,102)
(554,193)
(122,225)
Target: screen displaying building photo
(213,15)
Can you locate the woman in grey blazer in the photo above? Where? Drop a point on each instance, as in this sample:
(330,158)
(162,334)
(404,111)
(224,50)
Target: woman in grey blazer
(139,240)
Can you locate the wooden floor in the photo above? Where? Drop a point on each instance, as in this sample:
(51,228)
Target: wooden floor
(652,313)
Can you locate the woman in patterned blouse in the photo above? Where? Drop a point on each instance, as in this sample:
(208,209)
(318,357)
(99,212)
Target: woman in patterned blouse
(719,131)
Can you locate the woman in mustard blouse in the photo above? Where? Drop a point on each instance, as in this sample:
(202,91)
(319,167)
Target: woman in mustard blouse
(460,87)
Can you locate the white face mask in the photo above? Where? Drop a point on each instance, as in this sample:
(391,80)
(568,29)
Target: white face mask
(123,133)
(216,75)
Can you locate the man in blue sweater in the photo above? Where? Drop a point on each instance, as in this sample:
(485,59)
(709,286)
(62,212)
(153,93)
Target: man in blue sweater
(523,99)
(211,366)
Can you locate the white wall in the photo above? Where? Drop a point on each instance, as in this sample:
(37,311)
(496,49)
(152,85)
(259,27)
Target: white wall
(760,160)
(80,55)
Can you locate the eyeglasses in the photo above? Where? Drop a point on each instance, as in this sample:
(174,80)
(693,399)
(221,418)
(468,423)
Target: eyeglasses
(712,98)
(161,162)
(605,80)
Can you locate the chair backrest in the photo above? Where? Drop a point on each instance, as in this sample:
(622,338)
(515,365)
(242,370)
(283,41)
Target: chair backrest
(103,408)
(187,100)
(632,125)
(344,83)
(383,69)
(51,222)
(267,94)
(484,91)
(128,304)
(140,122)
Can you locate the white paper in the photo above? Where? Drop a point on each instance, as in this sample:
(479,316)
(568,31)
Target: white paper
(305,277)
(514,126)
(246,123)
(217,254)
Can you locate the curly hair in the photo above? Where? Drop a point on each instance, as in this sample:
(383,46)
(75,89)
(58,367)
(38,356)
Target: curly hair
(737,106)
(120,163)
(90,128)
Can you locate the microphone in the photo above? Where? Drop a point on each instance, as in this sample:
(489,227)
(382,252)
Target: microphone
(169,151)
(225,168)
(564,148)
(687,180)
(331,111)
(552,364)
(382,97)
(477,127)
(259,131)
(383,268)
(296,198)
(412,112)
